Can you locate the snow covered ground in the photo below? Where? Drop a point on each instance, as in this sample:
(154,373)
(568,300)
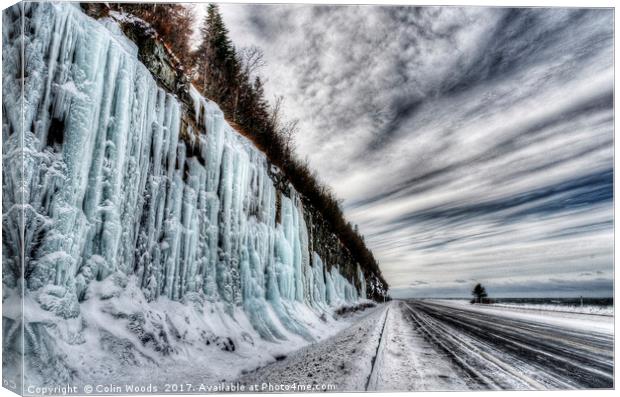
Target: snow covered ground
(123,339)
(554,307)
(582,321)
(342,362)
(585,309)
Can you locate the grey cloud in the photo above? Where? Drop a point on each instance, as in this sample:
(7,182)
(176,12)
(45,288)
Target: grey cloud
(466,142)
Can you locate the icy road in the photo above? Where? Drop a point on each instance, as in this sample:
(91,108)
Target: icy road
(509,350)
(429,345)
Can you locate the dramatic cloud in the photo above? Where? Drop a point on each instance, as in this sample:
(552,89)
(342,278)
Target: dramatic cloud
(469,144)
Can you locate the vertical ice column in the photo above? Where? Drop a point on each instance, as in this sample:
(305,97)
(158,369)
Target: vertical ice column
(254,279)
(339,290)
(194,221)
(284,252)
(362,281)
(305,272)
(319,293)
(292,250)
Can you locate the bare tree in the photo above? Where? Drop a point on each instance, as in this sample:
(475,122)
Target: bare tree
(285,129)
(288,131)
(252,59)
(276,111)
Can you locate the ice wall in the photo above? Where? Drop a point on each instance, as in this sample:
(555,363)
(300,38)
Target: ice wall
(111,184)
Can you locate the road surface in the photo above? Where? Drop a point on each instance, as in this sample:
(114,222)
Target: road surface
(503,352)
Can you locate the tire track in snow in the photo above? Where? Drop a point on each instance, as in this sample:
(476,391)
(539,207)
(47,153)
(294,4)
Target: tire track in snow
(556,355)
(373,366)
(433,333)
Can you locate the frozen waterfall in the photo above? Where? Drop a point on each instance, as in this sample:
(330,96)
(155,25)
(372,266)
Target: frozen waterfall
(116,183)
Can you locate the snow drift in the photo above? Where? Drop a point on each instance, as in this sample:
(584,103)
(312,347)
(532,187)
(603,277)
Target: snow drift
(148,241)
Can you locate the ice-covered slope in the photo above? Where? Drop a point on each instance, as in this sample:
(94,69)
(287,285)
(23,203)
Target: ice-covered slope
(144,234)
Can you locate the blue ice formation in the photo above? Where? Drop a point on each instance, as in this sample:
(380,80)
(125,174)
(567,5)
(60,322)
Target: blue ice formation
(102,178)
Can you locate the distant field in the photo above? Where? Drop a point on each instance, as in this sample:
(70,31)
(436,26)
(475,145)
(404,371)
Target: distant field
(599,306)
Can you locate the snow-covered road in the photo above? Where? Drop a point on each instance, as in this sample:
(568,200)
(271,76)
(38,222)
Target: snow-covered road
(506,351)
(422,345)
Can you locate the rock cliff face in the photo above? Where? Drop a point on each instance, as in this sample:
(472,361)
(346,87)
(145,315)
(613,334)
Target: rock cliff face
(136,221)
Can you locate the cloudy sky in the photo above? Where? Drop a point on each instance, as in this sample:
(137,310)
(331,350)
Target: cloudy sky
(469,144)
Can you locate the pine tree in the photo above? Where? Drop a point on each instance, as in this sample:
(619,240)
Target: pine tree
(214,57)
(479,293)
(260,109)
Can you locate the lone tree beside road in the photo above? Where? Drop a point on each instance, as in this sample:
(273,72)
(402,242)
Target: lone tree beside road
(479,293)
